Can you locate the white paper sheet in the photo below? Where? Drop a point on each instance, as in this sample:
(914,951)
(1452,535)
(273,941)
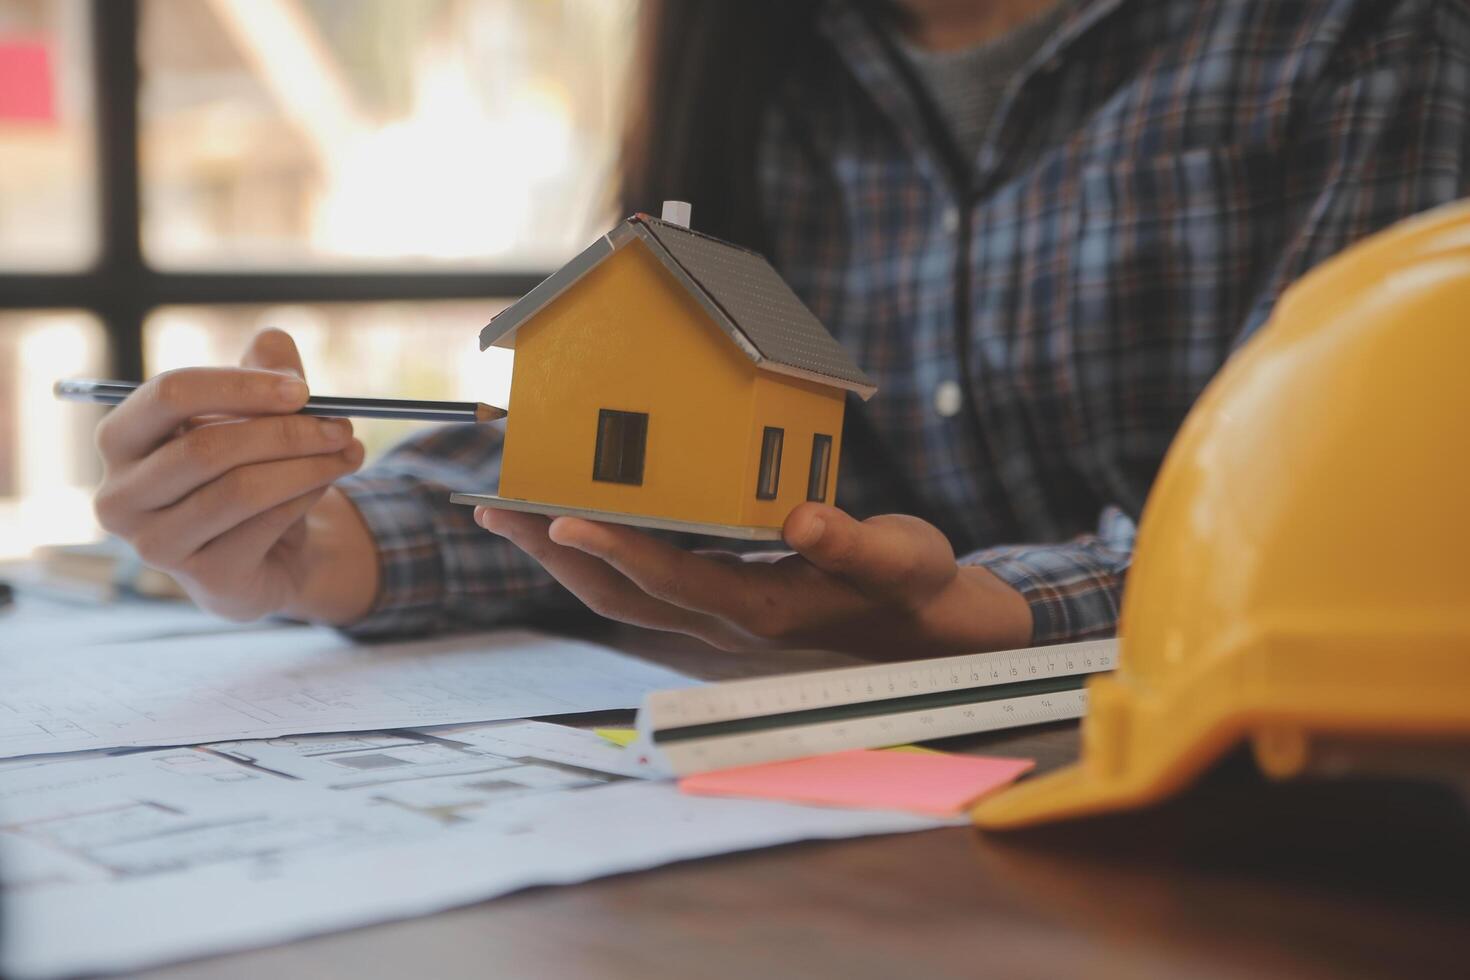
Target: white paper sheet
(189,690)
(123,862)
(52,624)
(555,743)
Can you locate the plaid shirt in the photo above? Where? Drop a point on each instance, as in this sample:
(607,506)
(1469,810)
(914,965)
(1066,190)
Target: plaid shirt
(1038,319)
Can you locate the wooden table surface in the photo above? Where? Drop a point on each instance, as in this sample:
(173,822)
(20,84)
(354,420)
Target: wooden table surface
(1239,878)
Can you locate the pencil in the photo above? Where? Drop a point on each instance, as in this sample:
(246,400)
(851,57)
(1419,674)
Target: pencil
(113,392)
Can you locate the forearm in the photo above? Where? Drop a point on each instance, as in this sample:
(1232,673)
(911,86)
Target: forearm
(340,570)
(434,568)
(978,612)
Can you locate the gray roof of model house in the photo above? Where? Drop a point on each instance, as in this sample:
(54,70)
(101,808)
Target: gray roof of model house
(745,297)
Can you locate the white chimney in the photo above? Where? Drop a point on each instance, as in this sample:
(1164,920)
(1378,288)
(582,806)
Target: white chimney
(677,213)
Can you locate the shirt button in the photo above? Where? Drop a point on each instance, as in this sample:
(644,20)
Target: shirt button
(948,398)
(950,220)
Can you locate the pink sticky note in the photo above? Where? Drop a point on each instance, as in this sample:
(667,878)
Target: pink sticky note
(939,784)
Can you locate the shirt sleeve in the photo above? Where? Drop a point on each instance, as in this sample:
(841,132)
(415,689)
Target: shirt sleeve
(1075,588)
(1384,134)
(440,570)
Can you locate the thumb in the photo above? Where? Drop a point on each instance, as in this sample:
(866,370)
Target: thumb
(273,350)
(892,558)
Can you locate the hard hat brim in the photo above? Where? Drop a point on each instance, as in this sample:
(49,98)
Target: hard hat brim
(1062,795)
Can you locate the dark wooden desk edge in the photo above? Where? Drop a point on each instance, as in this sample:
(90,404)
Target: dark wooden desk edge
(1238,879)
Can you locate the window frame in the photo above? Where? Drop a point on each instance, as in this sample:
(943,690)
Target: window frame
(121,289)
(819,481)
(641,420)
(769,470)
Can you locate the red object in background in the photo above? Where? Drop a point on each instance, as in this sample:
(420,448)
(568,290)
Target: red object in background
(27,89)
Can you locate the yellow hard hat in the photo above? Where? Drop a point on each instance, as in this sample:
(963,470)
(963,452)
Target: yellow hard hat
(1302,572)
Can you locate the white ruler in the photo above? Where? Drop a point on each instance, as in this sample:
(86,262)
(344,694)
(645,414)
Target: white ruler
(738,723)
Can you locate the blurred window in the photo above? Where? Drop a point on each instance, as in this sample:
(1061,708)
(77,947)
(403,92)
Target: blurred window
(47,465)
(325,152)
(47,206)
(363,132)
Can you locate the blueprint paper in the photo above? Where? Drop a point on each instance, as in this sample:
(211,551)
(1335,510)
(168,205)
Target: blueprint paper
(189,690)
(41,621)
(380,761)
(555,743)
(123,862)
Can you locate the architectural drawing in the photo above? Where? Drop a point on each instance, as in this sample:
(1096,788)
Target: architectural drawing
(198,689)
(116,862)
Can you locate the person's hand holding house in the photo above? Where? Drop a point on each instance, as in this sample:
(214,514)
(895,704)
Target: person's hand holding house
(658,378)
(888,586)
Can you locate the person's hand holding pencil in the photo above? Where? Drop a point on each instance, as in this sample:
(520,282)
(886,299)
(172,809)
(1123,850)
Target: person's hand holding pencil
(214,477)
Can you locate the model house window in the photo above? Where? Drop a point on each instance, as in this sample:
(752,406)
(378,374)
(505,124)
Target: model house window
(621,440)
(816,480)
(769,480)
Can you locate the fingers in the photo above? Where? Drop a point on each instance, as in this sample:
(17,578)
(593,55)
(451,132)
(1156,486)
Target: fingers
(208,452)
(893,557)
(601,588)
(844,571)
(151,414)
(779,600)
(273,350)
(245,546)
(171,536)
(231,576)
(689,581)
(719,555)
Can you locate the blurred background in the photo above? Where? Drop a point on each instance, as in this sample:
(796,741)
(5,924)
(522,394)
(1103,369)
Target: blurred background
(377,177)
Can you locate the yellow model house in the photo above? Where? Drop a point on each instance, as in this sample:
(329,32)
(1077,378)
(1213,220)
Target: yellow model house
(664,378)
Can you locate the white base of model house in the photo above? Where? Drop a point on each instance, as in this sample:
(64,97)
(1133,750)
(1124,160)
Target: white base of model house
(742,532)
